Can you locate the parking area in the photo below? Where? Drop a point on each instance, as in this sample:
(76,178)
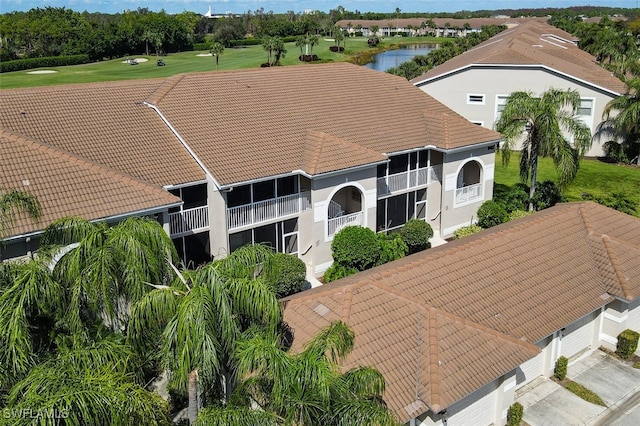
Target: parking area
(546,403)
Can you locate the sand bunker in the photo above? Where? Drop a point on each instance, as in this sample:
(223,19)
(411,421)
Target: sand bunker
(41,72)
(203,54)
(138,60)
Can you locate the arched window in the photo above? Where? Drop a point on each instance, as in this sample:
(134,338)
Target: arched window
(345,208)
(469,182)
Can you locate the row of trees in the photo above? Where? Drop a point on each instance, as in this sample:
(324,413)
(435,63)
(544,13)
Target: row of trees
(99,312)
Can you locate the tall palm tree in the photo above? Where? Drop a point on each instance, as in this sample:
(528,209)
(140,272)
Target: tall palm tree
(14,200)
(622,116)
(216,50)
(308,388)
(546,121)
(200,315)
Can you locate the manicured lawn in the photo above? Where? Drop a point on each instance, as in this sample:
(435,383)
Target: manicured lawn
(176,63)
(594,177)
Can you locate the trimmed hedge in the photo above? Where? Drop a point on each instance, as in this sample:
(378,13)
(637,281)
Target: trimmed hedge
(49,61)
(356,247)
(514,414)
(627,343)
(416,233)
(392,247)
(492,213)
(560,370)
(337,271)
(286,275)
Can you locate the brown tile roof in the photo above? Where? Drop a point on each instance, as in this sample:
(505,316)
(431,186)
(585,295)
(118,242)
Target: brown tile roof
(104,122)
(66,185)
(464,313)
(533,44)
(249,124)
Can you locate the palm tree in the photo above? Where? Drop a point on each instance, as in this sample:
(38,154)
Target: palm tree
(82,279)
(268,44)
(14,200)
(622,116)
(216,50)
(545,120)
(98,383)
(201,314)
(307,388)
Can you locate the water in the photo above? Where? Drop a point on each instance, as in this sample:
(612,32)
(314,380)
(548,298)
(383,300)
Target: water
(392,58)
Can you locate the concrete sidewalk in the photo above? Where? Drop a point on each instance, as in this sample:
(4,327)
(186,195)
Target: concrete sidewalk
(546,403)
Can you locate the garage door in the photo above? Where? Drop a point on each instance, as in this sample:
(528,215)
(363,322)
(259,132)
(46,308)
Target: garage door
(479,412)
(577,336)
(529,370)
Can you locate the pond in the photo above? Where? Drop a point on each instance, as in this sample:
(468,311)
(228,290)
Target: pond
(392,58)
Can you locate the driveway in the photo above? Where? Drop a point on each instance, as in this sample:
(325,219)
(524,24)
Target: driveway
(548,404)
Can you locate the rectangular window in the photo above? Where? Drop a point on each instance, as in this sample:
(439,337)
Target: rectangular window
(475,99)
(287,185)
(263,191)
(586,107)
(239,196)
(501,101)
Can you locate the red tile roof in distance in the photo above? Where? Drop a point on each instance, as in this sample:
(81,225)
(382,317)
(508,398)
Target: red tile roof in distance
(451,319)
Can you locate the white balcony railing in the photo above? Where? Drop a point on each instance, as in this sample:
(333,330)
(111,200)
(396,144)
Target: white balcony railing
(468,193)
(190,220)
(336,224)
(409,179)
(262,211)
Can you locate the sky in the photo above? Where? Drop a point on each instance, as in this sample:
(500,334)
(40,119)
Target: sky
(281,6)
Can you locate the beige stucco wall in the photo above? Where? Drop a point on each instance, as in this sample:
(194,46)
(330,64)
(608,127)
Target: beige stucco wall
(454,215)
(218,235)
(453,91)
(322,190)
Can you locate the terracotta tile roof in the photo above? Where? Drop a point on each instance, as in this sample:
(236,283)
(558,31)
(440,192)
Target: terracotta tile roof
(534,44)
(475,304)
(106,123)
(66,185)
(249,124)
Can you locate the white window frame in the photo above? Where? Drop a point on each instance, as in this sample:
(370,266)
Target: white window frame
(470,101)
(593,104)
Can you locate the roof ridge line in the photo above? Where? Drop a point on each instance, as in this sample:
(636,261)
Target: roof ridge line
(434,362)
(613,258)
(170,82)
(347,299)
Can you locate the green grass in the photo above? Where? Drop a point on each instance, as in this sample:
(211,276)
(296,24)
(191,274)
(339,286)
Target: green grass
(584,393)
(356,50)
(594,177)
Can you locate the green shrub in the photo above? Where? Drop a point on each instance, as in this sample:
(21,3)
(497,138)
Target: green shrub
(516,198)
(466,231)
(616,201)
(492,213)
(584,393)
(627,343)
(286,275)
(614,152)
(356,247)
(392,247)
(514,414)
(416,233)
(337,271)
(560,370)
(547,195)
(49,61)
(517,214)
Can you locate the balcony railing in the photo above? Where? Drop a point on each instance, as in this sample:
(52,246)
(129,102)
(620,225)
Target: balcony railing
(408,180)
(468,193)
(262,211)
(188,221)
(336,224)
